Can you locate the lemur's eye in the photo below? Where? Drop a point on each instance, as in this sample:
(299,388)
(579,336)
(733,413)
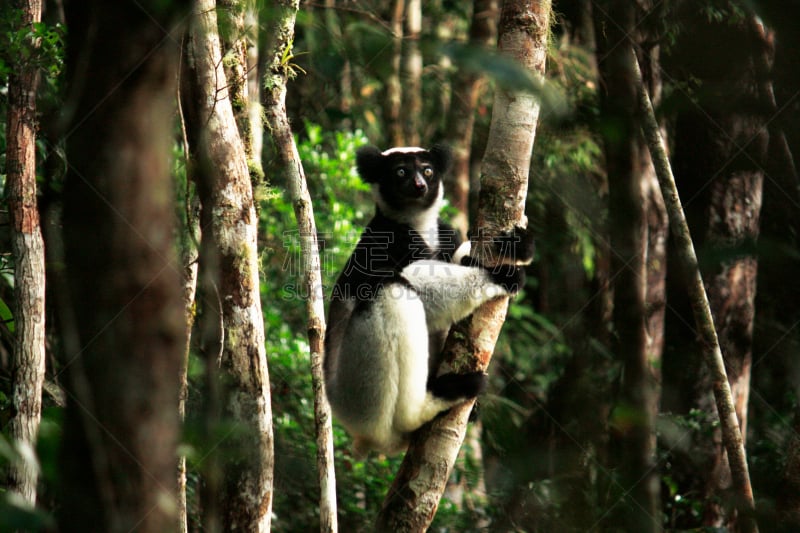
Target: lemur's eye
(400,172)
(427,172)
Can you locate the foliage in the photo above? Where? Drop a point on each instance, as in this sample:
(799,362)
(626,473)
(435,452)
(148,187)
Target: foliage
(39,45)
(342,207)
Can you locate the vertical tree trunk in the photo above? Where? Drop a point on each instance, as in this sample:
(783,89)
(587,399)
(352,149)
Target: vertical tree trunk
(633,418)
(237,42)
(344,96)
(656,219)
(189,259)
(414,497)
(289,159)
(411,74)
(122,313)
(189,256)
(461,116)
(229,226)
(254,90)
(28,360)
(394,89)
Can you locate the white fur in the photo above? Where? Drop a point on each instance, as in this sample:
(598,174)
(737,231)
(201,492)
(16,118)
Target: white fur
(378,390)
(378,387)
(462,252)
(450,292)
(403,150)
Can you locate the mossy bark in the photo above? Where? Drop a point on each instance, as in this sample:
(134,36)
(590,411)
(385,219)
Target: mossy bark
(231,327)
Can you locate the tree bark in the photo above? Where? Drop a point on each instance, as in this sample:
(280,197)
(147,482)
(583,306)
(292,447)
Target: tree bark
(411,74)
(732,439)
(290,164)
(229,226)
(237,42)
(394,88)
(632,447)
(414,497)
(121,308)
(190,237)
(28,359)
(344,94)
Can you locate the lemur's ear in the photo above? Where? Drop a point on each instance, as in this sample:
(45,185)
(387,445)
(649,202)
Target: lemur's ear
(442,157)
(369,162)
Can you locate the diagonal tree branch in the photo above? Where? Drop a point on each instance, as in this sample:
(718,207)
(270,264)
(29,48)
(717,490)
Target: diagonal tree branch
(731,434)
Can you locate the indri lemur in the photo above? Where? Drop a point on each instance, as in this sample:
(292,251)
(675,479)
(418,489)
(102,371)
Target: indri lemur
(399,293)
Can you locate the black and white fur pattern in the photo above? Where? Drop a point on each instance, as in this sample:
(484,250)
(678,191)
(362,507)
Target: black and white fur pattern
(396,298)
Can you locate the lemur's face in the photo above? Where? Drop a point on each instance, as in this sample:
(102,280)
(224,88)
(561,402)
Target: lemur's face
(411,179)
(407,178)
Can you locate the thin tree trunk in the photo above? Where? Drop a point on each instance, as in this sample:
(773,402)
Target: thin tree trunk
(121,308)
(394,89)
(411,74)
(190,233)
(633,418)
(236,42)
(189,281)
(229,226)
(290,164)
(657,221)
(731,433)
(461,116)
(254,91)
(344,96)
(28,360)
(414,497)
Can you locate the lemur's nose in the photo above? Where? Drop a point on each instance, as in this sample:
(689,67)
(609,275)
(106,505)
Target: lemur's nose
(419,183)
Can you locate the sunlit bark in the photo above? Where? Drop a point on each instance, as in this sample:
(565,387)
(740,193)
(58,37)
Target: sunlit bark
(28,360)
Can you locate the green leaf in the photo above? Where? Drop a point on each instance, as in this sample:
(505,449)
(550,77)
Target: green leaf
(6,315)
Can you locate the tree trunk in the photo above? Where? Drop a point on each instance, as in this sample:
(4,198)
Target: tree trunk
(720,145)
(656,218)
(394,88)
(411,74)
(290,164)
(190,236)
(28,360)
(632,446)
(229,225)
(461,116)
(344,95)
(414,497)
(238,43)
(121,307)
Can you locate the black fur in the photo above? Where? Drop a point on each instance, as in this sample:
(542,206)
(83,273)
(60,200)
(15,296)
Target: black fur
(381,377)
